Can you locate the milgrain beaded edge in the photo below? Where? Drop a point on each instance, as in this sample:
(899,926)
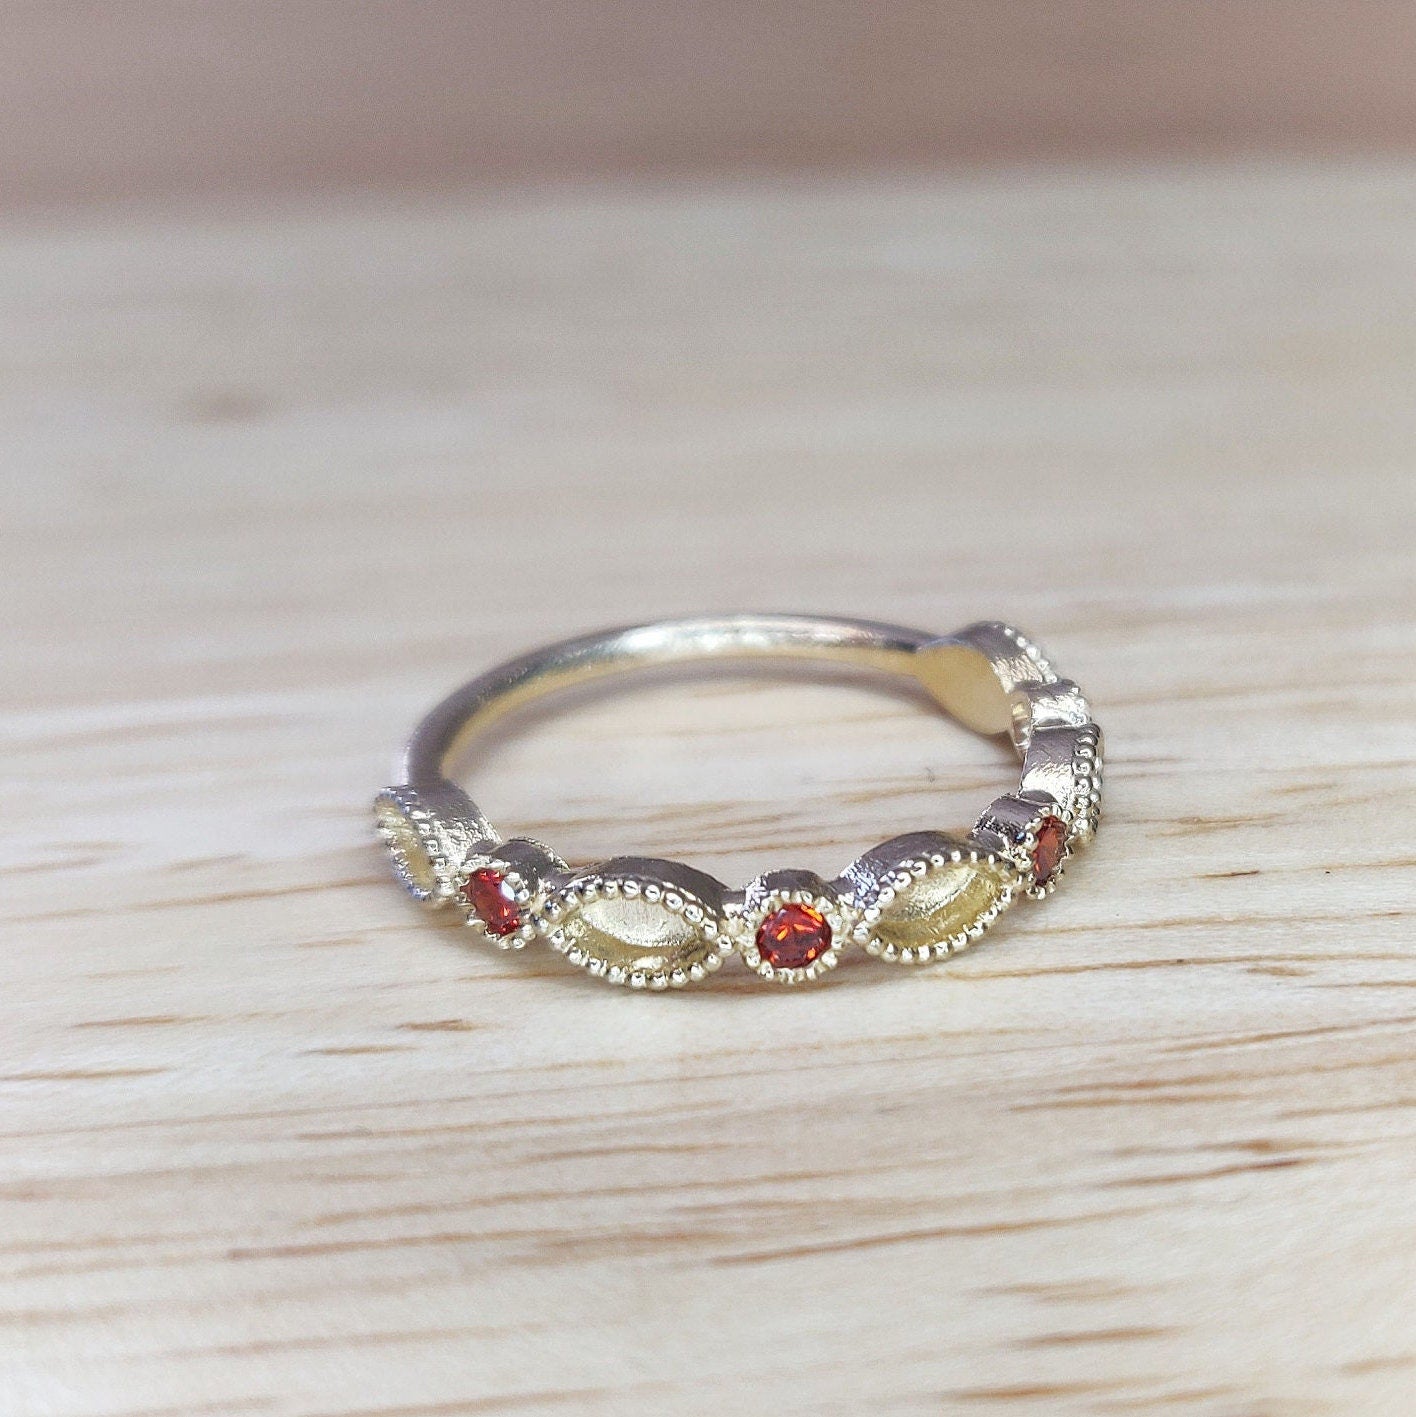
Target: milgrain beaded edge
(457,841)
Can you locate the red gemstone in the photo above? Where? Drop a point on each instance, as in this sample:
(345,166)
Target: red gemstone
(1047,854)
(487,892)
(794,936)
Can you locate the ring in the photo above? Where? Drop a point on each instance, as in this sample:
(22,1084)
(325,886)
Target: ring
(655,924)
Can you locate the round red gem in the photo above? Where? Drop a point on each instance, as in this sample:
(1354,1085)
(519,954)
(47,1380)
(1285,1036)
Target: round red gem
(487,892)
(793,936)
(1047,854)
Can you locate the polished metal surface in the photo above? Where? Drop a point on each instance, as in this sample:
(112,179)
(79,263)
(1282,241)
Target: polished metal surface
(478,704)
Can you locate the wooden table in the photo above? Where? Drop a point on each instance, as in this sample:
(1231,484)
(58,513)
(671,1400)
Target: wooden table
(275,1142)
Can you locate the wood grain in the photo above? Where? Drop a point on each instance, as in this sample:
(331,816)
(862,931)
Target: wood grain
(274,1142)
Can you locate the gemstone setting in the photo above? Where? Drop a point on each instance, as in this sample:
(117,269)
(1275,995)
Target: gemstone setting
(491,898)
(792,926)
(793,936)
(1049,849)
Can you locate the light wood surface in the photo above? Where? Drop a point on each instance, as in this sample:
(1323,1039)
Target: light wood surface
(272,1141)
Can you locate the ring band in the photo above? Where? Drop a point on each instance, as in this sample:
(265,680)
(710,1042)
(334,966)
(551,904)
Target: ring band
(656,924)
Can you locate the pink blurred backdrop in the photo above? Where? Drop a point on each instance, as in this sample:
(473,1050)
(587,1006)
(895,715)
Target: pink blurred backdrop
(106,100)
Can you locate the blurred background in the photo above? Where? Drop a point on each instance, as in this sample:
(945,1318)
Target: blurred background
(107,101)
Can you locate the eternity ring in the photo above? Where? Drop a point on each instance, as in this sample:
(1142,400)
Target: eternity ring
(655,924)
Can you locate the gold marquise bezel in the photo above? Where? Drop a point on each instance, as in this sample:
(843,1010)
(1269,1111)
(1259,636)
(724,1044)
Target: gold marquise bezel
(668,886)
(887,873)
(416,845)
